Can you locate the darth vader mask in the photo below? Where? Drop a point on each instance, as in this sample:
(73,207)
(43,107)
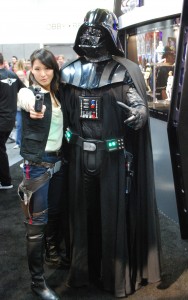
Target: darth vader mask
(98,35)
(92,42)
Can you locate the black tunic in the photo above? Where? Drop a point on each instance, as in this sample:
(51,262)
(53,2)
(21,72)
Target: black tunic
(127,227)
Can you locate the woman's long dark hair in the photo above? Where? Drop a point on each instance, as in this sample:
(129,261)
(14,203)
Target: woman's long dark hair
(48,59)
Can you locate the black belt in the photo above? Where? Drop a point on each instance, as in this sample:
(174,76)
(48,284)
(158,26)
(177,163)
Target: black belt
(90,145)
(39,164)
(54,153)
(93,145)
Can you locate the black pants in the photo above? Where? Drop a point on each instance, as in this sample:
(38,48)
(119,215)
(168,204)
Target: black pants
(5,178)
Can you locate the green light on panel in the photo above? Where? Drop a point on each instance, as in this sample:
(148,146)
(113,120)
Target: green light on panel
(111,145)
(68,135)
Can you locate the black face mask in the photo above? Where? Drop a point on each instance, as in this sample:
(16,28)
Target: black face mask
(91,37)
(92,42)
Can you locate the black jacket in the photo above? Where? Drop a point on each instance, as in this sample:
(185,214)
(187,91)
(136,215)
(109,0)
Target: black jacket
(35,133)
(10,84)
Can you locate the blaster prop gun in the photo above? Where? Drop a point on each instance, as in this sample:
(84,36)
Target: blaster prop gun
(39,100)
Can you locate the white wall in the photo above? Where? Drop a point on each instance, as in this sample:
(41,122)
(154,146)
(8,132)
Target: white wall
(152,9)
(44,21)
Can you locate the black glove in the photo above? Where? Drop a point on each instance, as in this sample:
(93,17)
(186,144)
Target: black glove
(136,116)
(134,119)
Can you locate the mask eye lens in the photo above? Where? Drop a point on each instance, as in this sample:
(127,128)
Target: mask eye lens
(91,36)
(97,32)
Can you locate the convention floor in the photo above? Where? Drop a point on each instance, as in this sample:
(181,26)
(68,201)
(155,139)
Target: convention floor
(15,278)
(13,154)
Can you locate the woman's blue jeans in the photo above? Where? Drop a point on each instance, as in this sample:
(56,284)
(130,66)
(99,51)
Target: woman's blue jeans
(39,201)
(18,127)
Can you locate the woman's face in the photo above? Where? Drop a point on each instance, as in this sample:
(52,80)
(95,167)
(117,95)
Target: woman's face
(43,75)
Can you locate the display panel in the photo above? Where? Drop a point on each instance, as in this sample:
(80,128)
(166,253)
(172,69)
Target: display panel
(178,124)
(153,47)
(123,6)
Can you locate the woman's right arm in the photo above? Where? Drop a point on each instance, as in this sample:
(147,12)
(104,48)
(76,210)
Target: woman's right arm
(26,101)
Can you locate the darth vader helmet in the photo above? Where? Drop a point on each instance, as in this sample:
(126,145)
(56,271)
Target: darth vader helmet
(98,35)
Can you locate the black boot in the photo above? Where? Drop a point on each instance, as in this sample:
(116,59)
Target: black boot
(52,255)
(35,251)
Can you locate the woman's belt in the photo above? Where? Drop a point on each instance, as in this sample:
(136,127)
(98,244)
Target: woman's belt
(38,164)
(52,168)
(53,153)
(109,145)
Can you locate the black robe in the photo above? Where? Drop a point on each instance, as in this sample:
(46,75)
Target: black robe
(129,227)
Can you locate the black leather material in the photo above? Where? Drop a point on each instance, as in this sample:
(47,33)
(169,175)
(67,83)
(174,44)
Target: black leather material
(52,254)
(35,251)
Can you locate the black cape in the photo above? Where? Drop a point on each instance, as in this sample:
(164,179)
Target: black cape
(130,240)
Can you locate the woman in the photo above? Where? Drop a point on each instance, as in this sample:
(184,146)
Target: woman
(41,148)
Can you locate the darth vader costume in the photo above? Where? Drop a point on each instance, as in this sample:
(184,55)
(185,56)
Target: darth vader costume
(113,215)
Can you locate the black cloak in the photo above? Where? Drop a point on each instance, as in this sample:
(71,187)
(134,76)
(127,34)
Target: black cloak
(130,240)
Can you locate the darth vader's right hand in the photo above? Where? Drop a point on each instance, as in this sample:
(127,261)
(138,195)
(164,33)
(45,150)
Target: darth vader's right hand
(136,116)
(130,120)
(131,113)
(134,119)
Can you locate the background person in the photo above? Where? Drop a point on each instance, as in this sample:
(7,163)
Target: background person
(21,72)
(10,84)
(14,61)
(60,60)
(162,71)
(114,228)
(15,134)
(6,65)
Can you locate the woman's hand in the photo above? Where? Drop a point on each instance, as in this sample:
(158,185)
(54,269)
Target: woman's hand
(37,115)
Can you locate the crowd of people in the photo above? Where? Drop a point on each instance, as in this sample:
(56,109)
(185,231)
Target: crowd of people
(88,167)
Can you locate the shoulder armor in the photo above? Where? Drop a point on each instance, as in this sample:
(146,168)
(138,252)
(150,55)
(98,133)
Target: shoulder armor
(86,75)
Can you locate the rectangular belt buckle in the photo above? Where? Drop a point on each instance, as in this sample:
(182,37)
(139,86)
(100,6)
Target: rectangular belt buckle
(57,166)
(88,146)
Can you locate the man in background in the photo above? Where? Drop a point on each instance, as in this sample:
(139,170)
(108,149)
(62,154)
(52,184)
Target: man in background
(14,61)
(60,60)
(10,84)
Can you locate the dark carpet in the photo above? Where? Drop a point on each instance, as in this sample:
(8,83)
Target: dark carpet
(15,277)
